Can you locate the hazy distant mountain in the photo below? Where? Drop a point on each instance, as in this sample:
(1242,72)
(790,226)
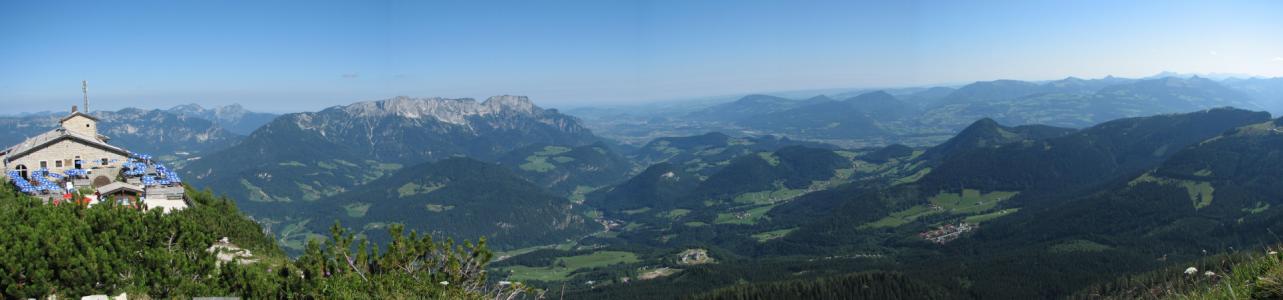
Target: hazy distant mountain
(865,115)
(1080,103)
(1266,92)
(927,97)
(309,156)
(992,90)
(155,132)
(748,106)
(233,117)
(926,116)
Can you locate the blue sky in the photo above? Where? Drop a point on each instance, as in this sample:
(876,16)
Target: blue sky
(306,55)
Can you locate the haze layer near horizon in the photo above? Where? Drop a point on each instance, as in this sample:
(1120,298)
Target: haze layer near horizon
(305,55)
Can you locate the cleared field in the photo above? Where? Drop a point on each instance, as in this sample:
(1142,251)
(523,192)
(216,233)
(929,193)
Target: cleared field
(990,216)
(412,188)
(539,161)
(912,178)
(675,213)
(695,224)
(636,211)
(563,267)
(1200,192)
(969,201)
(577,196)
(537,164)
(657,273)
(748,217)
(295,235)
(902,217)
(1259,208)
(769,158)
(774,234)
(357,210)
(768,197)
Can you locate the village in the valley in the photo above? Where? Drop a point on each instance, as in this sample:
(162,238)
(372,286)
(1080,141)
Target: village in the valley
(74,163)
(947,233)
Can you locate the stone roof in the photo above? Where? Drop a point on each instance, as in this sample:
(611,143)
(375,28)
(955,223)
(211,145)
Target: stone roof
(73,114)
(39,141)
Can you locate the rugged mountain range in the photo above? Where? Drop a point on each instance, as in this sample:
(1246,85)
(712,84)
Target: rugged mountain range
(927,116)
(1059,103)
(1268,92)
(299,158)
(233,117)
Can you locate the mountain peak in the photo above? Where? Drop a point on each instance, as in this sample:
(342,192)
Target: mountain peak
(760,98)
(985,123)
(447,110)
(818,99)
(190,107)
(520,104)
(982,133)
(878,95)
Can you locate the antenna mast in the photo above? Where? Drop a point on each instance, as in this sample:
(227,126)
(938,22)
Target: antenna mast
(84,87)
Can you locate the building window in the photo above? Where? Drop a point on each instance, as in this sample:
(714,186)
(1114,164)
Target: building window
(104,161)
(44,164)
(57,163)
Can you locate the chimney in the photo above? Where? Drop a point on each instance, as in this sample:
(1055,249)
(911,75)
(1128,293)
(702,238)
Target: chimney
(73,109)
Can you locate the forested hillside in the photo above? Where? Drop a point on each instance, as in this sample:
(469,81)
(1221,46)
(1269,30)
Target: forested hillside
(70,251)
(1087,206)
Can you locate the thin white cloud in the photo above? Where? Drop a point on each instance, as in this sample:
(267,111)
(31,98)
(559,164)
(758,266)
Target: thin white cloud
(350,75)
(1278,58)
(1213,53)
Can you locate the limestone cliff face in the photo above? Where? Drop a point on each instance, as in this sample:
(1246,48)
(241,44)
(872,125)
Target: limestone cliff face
(453,111)
(422,129)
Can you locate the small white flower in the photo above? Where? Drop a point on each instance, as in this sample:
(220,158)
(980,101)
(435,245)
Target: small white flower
(1191,271)
(443,282)
(1209,273)
(1273,253)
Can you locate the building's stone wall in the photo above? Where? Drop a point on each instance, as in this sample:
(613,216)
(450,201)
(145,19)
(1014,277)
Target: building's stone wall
(82,124)
(66,151)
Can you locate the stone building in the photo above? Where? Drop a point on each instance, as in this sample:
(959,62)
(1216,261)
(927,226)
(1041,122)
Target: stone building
(75,144)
